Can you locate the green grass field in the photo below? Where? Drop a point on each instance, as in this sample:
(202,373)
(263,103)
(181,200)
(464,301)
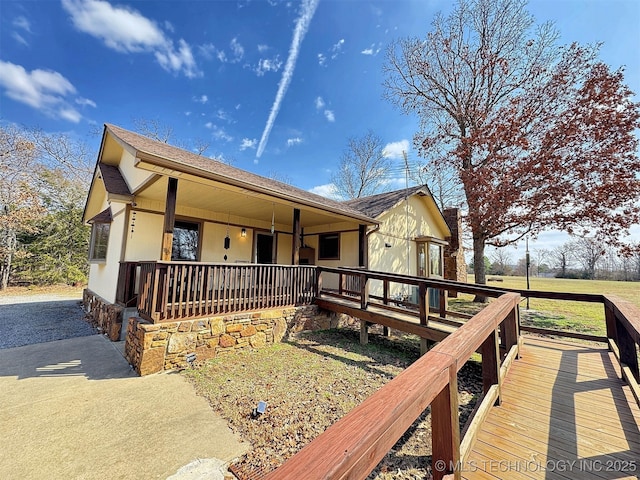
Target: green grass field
(562,315)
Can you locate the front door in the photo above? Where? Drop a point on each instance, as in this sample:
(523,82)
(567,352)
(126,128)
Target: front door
(265,248)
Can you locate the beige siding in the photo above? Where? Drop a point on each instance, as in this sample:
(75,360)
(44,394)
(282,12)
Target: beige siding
(134,177)
(212,244)
(103,277)
(284,249)
(145,242)
(401,257)
(97,201)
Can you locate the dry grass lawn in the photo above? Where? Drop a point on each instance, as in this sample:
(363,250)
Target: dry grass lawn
(311,381)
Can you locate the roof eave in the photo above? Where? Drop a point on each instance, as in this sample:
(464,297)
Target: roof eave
(164,162)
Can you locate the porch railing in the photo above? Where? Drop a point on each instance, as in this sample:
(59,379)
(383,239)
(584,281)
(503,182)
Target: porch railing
(183,290)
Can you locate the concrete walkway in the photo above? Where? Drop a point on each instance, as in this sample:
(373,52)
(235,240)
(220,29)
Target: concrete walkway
(73,409)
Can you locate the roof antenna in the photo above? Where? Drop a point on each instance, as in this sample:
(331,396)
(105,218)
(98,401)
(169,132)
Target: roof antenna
(406,198)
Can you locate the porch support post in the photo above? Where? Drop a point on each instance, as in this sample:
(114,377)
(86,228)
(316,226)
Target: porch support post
(363,246)
(169,219)
(295,254)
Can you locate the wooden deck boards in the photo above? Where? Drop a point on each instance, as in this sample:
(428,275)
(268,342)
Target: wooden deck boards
(566,414)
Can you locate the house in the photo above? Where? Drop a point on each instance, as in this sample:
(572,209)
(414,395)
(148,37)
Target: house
(413,236)
(180,236)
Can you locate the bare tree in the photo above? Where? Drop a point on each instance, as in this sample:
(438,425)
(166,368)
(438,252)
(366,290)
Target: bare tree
(561,258)
(279,177)
(363,168)
(443,182)
(19,202)
(501,262)
(588,252)
(153,128)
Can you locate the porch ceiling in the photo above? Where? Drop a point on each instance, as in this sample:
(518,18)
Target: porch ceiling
(228,199)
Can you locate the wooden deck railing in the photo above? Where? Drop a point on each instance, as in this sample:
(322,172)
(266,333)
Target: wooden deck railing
(183,290)
(352,447)
(128,276)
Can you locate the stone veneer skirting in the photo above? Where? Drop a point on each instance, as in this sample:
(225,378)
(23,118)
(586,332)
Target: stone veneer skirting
(104,315)
(154,347)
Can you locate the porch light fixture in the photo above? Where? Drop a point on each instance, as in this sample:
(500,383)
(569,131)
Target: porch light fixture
(243,233)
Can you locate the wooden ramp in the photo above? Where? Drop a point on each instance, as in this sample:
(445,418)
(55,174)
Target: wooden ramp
(565,414)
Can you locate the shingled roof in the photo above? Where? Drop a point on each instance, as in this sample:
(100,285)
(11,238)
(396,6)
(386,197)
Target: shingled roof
(113,180)
(178,158)
(375,205)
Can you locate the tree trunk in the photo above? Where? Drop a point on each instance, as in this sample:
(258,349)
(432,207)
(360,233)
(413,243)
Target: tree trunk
(478,266)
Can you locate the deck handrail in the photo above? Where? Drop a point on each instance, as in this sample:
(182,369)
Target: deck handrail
(353,446)
(172,291)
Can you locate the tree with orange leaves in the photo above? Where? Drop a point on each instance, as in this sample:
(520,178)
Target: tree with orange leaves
(541,136)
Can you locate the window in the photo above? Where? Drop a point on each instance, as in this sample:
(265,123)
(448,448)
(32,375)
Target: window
(99,242)
(435,260)
(430,261)
(185,241)
(329,246)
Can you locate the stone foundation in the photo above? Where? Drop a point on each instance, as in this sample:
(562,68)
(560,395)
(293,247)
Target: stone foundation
(105,316)
(154,347)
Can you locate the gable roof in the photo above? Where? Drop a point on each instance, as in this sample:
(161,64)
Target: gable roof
(165,155)
(375,205)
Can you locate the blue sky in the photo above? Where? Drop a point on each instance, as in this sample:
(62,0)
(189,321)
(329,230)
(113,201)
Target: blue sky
(274,86)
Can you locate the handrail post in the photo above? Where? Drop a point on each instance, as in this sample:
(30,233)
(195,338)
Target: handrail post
(490,351)
(423,306)
(445,430)
(318,286)
(510,329)
(610,320)
(627,348)
(364,291)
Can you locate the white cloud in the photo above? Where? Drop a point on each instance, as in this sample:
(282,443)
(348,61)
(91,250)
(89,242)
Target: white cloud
(222,115)
(201,99)
(268,65)
(208,50)
(328,190)
(44,90)
(337,48)
(329,115)
(322,60)
(235,55)
(85,102)
(263,48)
(22,23)
(319,103)
(394,150)
(237,49)
(127,31)
(248,143)
(218,133)
(169,26)
(293,141)
(19,38)
(299,32)
(175,61)
(187,113)
(372,50)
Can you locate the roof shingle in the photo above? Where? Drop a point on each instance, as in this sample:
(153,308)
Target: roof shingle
(182,157)
(375,205)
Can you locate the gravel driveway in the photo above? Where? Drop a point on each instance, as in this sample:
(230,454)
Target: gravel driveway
(38,318)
